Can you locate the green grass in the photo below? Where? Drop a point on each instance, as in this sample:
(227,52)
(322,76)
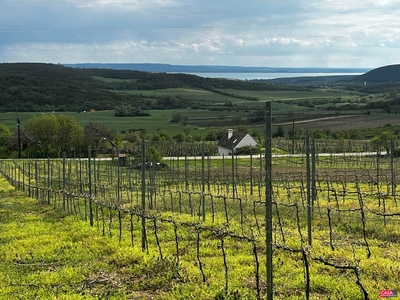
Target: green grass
(48,254)
(159,120)
(294,95)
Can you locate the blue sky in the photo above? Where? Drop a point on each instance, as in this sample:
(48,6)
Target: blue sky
(267,33)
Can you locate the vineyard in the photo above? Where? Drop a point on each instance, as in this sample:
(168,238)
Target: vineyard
(335,219)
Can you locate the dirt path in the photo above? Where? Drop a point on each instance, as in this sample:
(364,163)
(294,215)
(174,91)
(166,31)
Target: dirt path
(316,120)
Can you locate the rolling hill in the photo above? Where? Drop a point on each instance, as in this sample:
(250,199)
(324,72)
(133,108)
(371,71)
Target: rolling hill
(389,73)
(48,87)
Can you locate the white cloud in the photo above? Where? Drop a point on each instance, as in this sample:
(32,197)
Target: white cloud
(230,32)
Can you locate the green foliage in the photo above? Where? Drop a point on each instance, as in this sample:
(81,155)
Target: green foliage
(153,154)
(128,111)
(382,141)
(54,134)
(246,150)
(176,118)
(119,141)
(179,137)
(70,134)
(280,132)
(171,102)
(5,133)
(44,130)
(48,87)
(133,136)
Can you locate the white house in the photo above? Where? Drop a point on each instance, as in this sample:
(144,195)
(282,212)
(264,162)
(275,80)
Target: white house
(234,140)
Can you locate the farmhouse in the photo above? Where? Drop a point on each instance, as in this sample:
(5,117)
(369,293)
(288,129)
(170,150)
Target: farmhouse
(234,140)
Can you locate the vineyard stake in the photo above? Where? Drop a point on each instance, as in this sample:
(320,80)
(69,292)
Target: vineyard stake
(392,168)
(233,175)
(268,198)
(143,195)
(48,180)
(313,184)
(90,185)
(309,208)
(203,204)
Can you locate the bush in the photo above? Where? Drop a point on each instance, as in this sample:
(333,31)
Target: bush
(246,150)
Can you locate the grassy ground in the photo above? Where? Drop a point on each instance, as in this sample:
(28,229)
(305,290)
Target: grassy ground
(46,254)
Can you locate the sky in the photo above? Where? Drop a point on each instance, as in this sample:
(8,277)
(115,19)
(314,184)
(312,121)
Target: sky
(265,33)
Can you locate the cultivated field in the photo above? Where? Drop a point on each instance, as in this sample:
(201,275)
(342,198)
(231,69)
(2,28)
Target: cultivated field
(202,224)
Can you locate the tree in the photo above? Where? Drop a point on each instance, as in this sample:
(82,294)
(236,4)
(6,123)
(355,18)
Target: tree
(5,133)
(133,136)
(70,134)
(44,130)
(119,141)
(319,134)
(211,135)
(243,128)
(176,118)
(153,154)
(163,134)
(179,137)
(55,134)
(382,141)
(280,132)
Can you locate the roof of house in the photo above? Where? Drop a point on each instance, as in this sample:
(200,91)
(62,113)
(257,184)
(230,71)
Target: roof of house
(233,141)
(25,139)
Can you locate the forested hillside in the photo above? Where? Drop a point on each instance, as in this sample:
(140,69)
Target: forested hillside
(383,74)
(48,87)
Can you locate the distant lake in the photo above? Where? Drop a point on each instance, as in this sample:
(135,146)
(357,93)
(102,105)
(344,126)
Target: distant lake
(249,76)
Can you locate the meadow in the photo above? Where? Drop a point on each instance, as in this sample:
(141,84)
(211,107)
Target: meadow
(196,230)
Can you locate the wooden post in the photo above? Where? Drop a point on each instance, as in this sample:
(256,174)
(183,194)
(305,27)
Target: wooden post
(309,206)
(90,185)
(144,245)
(268,198)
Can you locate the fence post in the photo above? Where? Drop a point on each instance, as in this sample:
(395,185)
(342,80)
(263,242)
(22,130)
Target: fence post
(268,198)
(48,181)
(144,246)
(251,170)
(392,168)
(118,177)
(23,177)
(29,178)
(90,185)
(36,181)
(233,175)
(309,205)
(203,204)
(313,183)
(63,180)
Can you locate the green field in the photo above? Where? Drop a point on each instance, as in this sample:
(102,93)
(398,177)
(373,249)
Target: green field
(295,95)
(159,119)
(214,109)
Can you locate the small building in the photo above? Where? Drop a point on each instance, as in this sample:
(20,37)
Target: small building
(24,140)
(234,140)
